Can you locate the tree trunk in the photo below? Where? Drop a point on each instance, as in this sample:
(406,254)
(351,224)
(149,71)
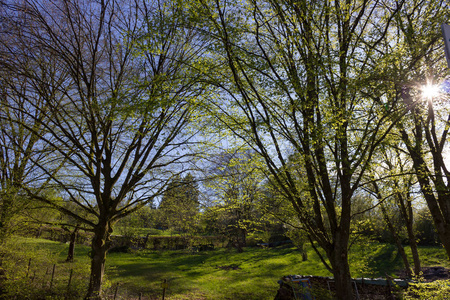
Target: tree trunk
(337,254)
(444,235)
(408,214)
(100,245)
(415,252)
(341,272)
(240,240)
(71,252)
(398,243)
(304,252)
(439,205)
(6,206)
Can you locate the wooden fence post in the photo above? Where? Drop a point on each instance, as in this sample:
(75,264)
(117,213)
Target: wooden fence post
(53,274)
(164,286)
(68,284)
(29,265)
(115,292)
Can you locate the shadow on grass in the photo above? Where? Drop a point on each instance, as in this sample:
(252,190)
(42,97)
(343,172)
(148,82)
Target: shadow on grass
(208,273)
(386,260)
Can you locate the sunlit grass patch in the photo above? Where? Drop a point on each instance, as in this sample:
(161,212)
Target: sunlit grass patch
(216,274)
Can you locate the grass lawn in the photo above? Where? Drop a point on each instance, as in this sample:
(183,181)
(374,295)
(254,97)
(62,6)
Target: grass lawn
(222,273)
(219,274)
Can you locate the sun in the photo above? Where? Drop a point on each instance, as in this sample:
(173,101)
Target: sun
(430,90)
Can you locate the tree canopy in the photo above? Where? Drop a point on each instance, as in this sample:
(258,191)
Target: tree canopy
(103,100)
(117,99)
(180,203)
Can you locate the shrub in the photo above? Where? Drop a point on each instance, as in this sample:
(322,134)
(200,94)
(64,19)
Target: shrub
(424,226)
(436,290)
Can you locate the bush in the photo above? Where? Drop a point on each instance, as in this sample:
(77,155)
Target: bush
(424,226)
(436,290)
(252,240)
(299,239)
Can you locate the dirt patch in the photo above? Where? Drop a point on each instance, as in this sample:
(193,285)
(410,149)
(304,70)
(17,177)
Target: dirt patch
(230,267)
(297,286)
(430,274)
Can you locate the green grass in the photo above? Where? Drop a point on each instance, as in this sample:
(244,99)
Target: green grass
(219,274)
(226,274)
(36,267)
(433,256)
(378,260)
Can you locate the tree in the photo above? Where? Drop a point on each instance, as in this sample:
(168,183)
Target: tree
(394,230)
(131,225)
(424,128)
(118,101)
(392,185)
(277,209)
(19,148)
(431,172)
(300,75)
(235,181)
(180,203)
(70,224)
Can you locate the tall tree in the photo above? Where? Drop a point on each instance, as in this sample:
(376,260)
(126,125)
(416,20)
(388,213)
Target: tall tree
(118,99)
(424,128)
(19,147)
(392,185)
(180,203)
(300,72)
(235,181)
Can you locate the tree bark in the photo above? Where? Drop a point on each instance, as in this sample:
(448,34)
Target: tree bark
(341,271)
(71,252)
(431,180)
(438,203)
(100,245)
(6,207)
(407,212)
(415,252)
(444,235)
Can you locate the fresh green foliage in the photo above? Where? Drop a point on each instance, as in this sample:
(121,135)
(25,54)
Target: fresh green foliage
(315,90)
(436,290)
(117,96)
(300,82)
(179,206)
(138,223)
(234,178)
(139,231)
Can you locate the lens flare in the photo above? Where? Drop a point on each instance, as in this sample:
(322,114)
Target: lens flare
(430,90)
